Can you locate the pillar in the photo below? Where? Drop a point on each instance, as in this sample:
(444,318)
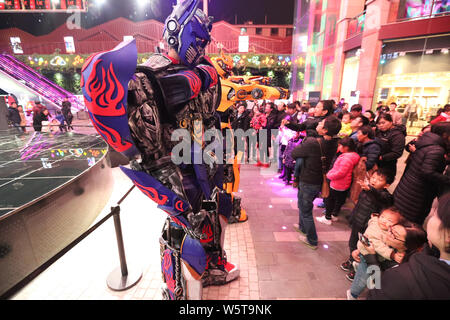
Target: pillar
(377,14)
(348,10)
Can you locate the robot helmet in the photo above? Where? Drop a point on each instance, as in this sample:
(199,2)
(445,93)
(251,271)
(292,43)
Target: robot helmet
(187,30)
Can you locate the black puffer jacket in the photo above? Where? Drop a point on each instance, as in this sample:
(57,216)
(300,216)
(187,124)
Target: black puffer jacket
(280,116)
(242,122)
(371,150)
(309,150)
(273,123)
(13,115)
(422,178)
(392,144)
(369,201)
(423,277)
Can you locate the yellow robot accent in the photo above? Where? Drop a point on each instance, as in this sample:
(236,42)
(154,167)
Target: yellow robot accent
(241,88)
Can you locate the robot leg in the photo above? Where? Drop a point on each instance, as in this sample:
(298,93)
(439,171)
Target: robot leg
(218,270)
(231,185)
(183,262)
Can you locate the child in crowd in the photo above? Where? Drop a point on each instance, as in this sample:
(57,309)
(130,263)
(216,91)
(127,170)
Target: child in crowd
(284,136)
(340,177)
(346,130)
(376,232)
(369,149)
(373,198)
(288,161)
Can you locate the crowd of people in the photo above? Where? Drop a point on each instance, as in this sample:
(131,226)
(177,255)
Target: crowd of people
(338,153)
(42,119)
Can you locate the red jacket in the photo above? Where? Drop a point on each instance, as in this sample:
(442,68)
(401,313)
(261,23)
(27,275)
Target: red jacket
(340,175)
(441,118)
(258,121)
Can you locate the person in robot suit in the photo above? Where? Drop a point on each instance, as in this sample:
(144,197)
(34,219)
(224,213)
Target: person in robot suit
(137,109)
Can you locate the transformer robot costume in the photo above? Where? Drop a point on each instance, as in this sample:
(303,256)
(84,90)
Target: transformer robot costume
(235,89)
(136,109)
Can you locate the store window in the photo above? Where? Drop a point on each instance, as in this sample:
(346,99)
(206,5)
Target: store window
(416,75)
(327,81)
(413,9)
(349,75)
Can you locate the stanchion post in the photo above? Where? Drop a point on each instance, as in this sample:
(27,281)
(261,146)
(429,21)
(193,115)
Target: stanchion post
(120,278)
(118,228)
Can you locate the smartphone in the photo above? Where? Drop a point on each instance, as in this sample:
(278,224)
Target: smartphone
(364,240)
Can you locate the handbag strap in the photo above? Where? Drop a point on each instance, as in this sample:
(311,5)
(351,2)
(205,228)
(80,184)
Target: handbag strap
(322,157)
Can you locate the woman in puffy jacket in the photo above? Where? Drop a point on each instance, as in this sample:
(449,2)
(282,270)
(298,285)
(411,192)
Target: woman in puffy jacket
(392,141)
(340,177)
(423,174)
(369,150)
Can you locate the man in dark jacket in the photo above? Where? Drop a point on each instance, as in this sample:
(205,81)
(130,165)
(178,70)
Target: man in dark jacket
(392,141)
(311,151)
(323,109)
(291,113)
(282,113)
(241,121)
(423,175)
(14,116)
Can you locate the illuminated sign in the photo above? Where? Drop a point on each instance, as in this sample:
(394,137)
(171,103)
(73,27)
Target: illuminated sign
(70,45)
(16,45)
(58,61)
(25,6)
(243,43)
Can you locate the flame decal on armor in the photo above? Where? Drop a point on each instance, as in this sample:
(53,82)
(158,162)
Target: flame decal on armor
(179,206)
(194,82)
(105,92)
(168,271)
(152,193)
(111,136)
(206,230)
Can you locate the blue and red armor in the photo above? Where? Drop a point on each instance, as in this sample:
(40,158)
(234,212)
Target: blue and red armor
(136,109)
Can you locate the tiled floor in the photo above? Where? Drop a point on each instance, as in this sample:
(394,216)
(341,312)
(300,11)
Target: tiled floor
(273,263)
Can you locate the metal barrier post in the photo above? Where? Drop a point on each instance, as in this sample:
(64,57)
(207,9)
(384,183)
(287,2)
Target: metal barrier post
(121,278)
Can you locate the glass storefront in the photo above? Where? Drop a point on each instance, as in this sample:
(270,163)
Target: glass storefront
(415,9)
(349,75)
(327,81)
(416,75)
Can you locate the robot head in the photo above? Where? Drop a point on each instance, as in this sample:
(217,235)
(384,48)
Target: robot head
(187,31)
(223,65)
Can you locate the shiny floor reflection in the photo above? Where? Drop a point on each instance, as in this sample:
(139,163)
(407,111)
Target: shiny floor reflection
(34,164)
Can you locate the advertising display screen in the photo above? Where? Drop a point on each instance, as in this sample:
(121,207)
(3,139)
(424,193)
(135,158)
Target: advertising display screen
(24,6)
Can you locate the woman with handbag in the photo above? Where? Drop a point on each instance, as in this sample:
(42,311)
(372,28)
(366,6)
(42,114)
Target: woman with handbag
(369,150)
(317,154)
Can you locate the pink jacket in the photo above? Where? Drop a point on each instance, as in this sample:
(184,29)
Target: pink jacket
(340,175)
